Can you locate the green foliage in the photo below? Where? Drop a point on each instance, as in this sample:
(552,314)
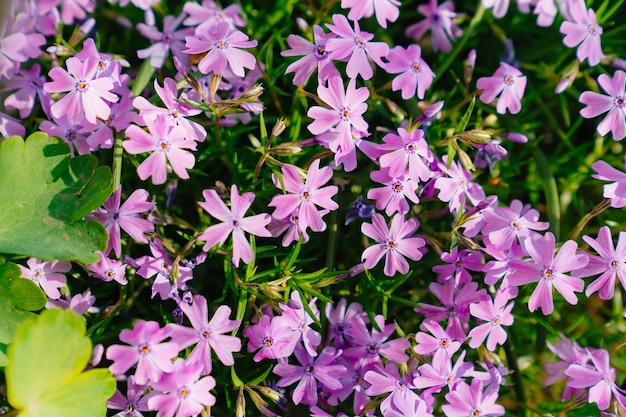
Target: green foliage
(44,196)
(45,372)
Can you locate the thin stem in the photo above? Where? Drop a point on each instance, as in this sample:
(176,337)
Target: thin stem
(551,191)
(605,204)
(332,240)
(518,384)
(118,151)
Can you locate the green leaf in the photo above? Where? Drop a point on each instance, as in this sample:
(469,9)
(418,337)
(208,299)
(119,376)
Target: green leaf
(45,372)
(44,195)
(460,127)
(26,295)
(143,77)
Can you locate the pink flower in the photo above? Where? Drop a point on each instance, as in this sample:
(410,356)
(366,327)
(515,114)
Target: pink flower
(458,264)
(393,243)
(17,42)
(496,313)
(168,40)
(208,14)
(393,196)
(410,154)
(233,221)
(107,66)
(369,348)
(506,225)
(415,74)
(466,400)
(507,80)
(160,264)
(581,29)
(440,21)
(315,57)
(305,196)
(108,270)
(75,135)
(354,46)
(80,303)
(441,373)
(48,275)
(549,270)
(458,186)
(438,342)
(616,191)
(614,103)
(500,7)
(270,335)
(222,46)
(86,93)
(166,143)
(384,9)
(134,402)
(207,335)
(29,84)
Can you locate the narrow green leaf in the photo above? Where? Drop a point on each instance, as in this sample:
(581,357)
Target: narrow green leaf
(143,77)
(26,295)
(460,127)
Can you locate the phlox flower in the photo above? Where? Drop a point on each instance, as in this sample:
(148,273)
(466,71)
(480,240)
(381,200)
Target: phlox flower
(546,11)
(384,9)
(182,392)
(76,10)
(48,275)
(305,196)
(507,225)
(270,335)
(107,66)
(440,373)
(616,191)
(496,313)
(359,209)
(122,115)
(75,135)
(233,221)
(549,270)
(415,74)
(29,85)
(315,57)
(160,265)
(86,96)
(614,103)
(570,353)
(408,406)
(297,322)
(222,45)
(409,154)
(457,186)
(322,369)
(290,226)
(354,46)
(10,126)
(458,264)
(393,243)
(170,39)
(166,143)
(17,43)
(440,21)
(507,80)
(108,270)
(134,401)
(80,303)
(500,7)
(438,342)
(581,29)
(470,400)
(611,263)
(369,348)
(114,217)
(344,146)
(387,380)
(393,196)
(147,349)
(208,14)
(498,268)
(340,319)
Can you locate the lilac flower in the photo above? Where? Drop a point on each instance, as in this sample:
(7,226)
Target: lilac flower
(507,80)
(160,265)
(76,10)
(600,379)
(108,270)
(290,224)
(166,143)
(344,146)
(80,303)
(48,275)
(208,14)
(488,154)
(496,313)
(415,74)
(10,126)
(458,264)
(546,11)
(346,108)
(408,406)
(17,43)
(440,373)
(75,135)
(113,217)
(611,263)
(507,225)
(86,93)
(122,115)
(500,7)
(387,380)
(570,353)
(394,243)
(581,29)
(340,320)
(614,104)
(168,40)
(222,45)
(393,196)
(147,349)
(107,67)
(440,21)
(359,209)
(354,46)
(384,9)
(315,57)
(134,402)
(499,268)
(182,392)
(468,400)
(29,85)
(439,342)
(324,369)
(233,220)
(410,154)
(616,191)
(368,348)
(458,186)
(270,336)
(297,324)
(305,196)
(549,270)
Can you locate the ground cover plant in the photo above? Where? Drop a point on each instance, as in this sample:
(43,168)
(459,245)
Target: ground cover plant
(326,208)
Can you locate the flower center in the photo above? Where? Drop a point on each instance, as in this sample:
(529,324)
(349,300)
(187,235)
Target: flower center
(359,42)
(620,102)
(476,413)
(164,145)
(410,148)
(184,392)
(416,67)
(221,45)
(445,343)
(268,341)
(82,86)
(508,80)
(167,38)
(310,369)
(373,347)
(391,244)
(110,274)
(206,334)
(593,30)
(306,195)
(548,274)
(344,114)
(320,51)
(614,264)
(144,349)
(397,187)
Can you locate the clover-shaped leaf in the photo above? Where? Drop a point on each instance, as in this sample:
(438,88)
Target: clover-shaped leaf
(44,194)
(45,372)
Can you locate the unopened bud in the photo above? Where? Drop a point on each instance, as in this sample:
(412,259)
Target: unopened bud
(466,161)
(252,93)
(240,408)
(514,137)
(214,85)
(302,24)
(269,393)
(278,128)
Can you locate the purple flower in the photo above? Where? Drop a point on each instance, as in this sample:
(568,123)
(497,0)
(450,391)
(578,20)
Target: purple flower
(108,270)
(182,392)
(340,320)
(500,7)
(169,39)
(80,303)
(616,191)
(359,209)
(441,373)
(507,80)
(222,45)
(305,196)
(393,243)
(387,379)
(614,104)
(160,264)
(17,42)
(570,353)
(468,400)
(507,225)
(439,342)
(368,348)
(496,313)
(457,186)
(315,57)
(107,67)
(611,263)
(233,221)
(147,349)
(458,264)
(408,406)
(208,14)
(75,135)
(393,196)
(134,402)
(324,369)
(29,84)
(581,29)
(354,46)
(384,9)
(86,94)
(440,21)
(48,275)
(549,270)
(410,154)
(113,217)
(166,143)
(270,335)
(415,74)
(297,322)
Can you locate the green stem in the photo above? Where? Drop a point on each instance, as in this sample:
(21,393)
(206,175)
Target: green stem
(332,240)
(518,383)
(118,151)
(551,191)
